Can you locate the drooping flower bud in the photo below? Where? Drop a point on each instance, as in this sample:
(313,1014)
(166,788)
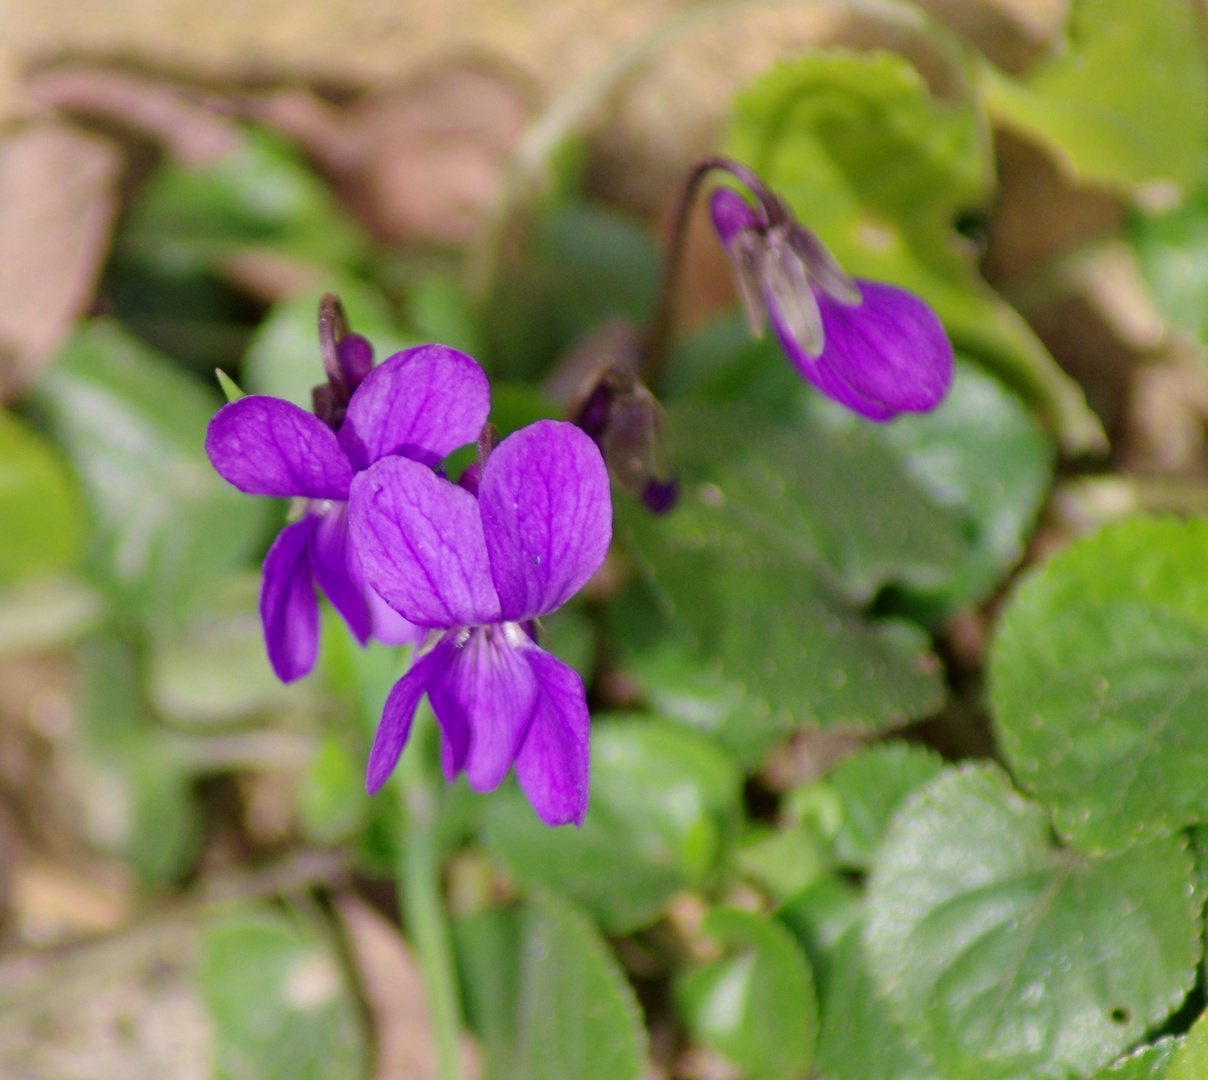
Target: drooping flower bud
(623,417)
(873,347)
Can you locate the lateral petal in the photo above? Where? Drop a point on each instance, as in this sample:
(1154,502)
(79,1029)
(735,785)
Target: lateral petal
(399,712)
(553,763)
(886,355)
(289,609)
(338,575)
(422,403)
(547,516)
(489,690)
(266,446)
(420,541)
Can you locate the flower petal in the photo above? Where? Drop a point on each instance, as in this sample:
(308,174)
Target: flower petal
(732,214)
(399,711)
(421,546)
(489,690)
(266,446)
(338,576)
(887,355)
(289,609)
(423,403)
(547,516)
(389,627)
(553,763)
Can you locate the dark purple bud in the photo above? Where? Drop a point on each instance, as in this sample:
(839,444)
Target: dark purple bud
(470,478)
(660,497)
(355,356)
(333,326)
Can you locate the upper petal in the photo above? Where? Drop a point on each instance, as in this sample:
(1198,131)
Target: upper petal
(423,403)
(289,609)
(489,689)
(553,763)
(547,516)
(399,711)
(732,214)
(339,576)
(419,538)
(266,446)
(886,355)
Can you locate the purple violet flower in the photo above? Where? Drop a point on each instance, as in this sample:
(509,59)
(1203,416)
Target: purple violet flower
(875,348)
(420,404)
(478,567)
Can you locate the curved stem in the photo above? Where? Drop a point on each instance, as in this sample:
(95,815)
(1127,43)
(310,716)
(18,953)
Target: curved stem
(658,342)
(572,108)
(421,902)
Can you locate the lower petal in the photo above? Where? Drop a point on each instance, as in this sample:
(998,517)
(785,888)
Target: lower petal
(553,763)
(338,576)
(399,711)
(487,691)
(289,609)
(887,355)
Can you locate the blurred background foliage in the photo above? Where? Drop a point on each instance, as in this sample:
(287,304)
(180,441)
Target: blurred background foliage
(784,672)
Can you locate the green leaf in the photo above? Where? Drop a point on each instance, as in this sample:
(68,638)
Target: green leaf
(332,804)
(1150,1063)
(576,1017)
(258,195)
(277,1002)
(1172,254)
(1098,680)
(488,950)
(984,454)
(871,785)
(782,862)
(769,517)
(167,527)
(437,310)
(1190,1060)
(137,796)
(40,519)
(756,1005)
(859,1038)
(1004,957)
(40,613)
(662,801)
(283,356)
(585,264)
(882,171)
(214,669)
(1124,100)
(818,917)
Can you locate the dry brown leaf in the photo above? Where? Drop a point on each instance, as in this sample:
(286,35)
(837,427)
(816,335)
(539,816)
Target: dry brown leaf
(394,991)
(55,902)
(57,205)
(189,129)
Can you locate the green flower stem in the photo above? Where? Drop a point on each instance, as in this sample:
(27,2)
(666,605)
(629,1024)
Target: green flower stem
(420,900)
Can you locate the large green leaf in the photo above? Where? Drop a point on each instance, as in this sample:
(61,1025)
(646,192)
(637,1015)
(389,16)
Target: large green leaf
(1190,1059)
(983,453)
(166,525)
(277,1002)
(257,195)
(662,801)
(40,521)
(1006,958)
(1172,252)
(859,1038)
(547,997)
(882,170)
(1150,1063)
(772,524)
(1123,100)
(756,1005)
(1099,682)
(871,785)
